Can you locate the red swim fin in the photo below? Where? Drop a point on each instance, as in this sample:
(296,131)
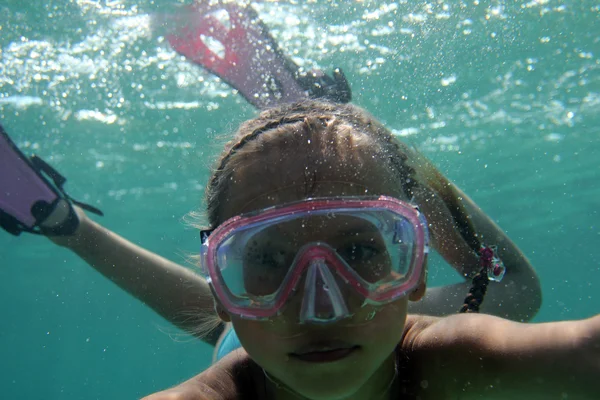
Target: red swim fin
(251,60)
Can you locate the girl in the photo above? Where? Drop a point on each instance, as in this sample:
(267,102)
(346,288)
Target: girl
(456,226)
(319,234)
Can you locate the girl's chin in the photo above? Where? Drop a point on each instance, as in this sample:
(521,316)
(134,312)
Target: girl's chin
(324,380)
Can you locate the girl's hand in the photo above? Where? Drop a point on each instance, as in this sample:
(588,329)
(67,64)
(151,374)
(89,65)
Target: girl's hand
(68,240)
(235,376)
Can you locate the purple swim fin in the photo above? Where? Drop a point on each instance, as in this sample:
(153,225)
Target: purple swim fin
(29,200)
(251,60)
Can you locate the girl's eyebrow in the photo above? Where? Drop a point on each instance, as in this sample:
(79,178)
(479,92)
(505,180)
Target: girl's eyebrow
(358,229)
(346,231)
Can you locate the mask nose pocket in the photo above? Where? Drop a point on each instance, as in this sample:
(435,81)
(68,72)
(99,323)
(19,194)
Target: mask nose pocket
(323,301)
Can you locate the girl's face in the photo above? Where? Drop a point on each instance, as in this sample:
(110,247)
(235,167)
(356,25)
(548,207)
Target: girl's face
(351,358)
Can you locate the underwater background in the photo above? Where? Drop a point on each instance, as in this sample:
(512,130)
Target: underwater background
(504,97)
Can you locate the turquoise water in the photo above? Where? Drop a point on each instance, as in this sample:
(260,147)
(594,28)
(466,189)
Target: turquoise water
(504,96)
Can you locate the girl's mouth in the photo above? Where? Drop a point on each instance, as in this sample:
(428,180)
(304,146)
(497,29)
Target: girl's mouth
(325,352)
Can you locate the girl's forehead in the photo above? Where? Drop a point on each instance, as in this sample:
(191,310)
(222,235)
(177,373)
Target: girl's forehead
(258,186)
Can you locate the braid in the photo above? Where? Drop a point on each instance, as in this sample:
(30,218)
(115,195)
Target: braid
(399,159)
(247,138)
(492,268)
(476,293)
(439,183)
(256,127)
(480,281)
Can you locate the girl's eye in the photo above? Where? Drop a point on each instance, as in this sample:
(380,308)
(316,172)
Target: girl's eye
(277,259)
(269,259)
(358,252)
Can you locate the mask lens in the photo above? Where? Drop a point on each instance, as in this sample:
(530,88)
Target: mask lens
(375,247)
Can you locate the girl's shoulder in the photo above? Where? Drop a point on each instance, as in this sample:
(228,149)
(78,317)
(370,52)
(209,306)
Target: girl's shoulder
(436,355)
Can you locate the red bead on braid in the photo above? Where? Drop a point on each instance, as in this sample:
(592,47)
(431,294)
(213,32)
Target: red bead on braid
(492,269)
(493,264)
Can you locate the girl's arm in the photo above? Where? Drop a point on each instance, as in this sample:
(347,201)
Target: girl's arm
(176,293)
(517,297)
(485,357)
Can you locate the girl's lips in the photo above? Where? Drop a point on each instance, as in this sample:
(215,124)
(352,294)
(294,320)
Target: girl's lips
(325,352)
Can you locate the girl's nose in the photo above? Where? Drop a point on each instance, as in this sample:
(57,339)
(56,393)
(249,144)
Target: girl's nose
(323,301)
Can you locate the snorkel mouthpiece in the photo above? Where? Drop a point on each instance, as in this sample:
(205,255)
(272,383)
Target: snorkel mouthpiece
(323,301)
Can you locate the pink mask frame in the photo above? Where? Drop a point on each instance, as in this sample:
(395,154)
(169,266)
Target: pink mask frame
(317,260)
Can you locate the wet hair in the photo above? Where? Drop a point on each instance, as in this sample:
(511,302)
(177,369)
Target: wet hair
(347,124)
